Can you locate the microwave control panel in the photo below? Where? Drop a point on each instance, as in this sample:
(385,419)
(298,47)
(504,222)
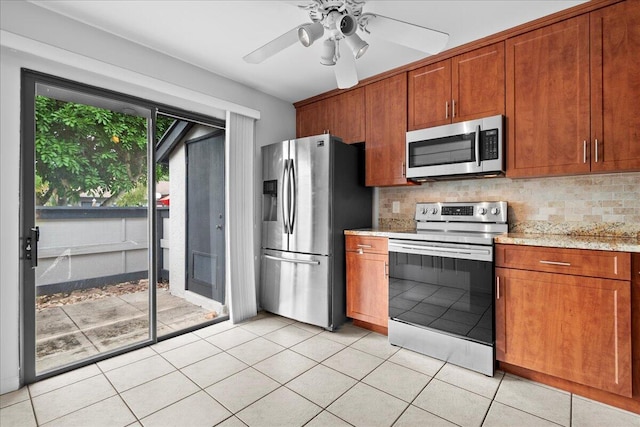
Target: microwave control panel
(489,144)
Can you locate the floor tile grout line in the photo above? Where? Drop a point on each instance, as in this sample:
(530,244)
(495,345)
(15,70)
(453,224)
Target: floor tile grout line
(33,408)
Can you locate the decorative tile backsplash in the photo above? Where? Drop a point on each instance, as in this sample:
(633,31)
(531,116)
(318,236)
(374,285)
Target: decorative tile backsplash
(580,205)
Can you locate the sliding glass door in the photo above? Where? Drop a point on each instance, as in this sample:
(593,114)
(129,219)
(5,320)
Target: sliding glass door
(111,260)
(86,225)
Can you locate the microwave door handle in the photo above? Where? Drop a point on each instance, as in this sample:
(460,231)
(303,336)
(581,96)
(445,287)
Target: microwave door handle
(478,146)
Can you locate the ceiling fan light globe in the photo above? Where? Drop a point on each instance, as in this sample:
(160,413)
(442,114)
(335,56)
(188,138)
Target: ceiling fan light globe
(346,25)
(357,45)
(309,33)
(328,56)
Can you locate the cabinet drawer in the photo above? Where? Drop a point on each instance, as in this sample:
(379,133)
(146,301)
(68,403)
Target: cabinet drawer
(367,244)
(580,262)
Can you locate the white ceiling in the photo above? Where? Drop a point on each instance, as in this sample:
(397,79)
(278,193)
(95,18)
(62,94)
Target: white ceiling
(215,35)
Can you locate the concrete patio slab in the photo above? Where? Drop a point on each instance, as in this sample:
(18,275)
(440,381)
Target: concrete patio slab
(74,331)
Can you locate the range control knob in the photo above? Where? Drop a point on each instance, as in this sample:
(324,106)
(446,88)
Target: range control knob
(482,211)
(495,211)
(424,211)
(434,211)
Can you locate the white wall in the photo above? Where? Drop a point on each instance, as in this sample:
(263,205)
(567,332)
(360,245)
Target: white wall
(36,39)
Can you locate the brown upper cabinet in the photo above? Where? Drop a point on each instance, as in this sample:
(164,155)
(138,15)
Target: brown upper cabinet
(313,119)
(341,115)
(386,128)
(615,87)
(465,87)
(572,90)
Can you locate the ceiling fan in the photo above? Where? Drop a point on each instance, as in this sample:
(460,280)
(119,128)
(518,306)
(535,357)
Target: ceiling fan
(339,21)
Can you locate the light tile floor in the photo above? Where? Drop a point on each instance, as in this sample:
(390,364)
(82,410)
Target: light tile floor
(272,371)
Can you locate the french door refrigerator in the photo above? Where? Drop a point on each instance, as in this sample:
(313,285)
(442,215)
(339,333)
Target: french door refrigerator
(312,190)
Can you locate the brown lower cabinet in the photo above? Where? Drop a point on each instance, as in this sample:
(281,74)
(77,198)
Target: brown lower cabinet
(568,327)
(367,282)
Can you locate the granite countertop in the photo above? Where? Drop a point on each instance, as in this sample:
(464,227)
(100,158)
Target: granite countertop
(602,243)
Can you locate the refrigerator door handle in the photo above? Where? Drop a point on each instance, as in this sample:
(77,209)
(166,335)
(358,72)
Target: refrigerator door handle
(294,261)
(292,205)
(285,197)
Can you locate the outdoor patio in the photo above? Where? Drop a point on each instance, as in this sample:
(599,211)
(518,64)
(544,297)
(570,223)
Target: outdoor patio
(73,326)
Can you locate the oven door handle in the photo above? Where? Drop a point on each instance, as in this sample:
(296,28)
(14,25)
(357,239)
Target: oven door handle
(393,247)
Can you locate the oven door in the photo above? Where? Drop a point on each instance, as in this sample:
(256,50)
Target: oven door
(443,287)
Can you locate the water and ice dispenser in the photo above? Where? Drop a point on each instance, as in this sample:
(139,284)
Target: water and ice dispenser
(270,200)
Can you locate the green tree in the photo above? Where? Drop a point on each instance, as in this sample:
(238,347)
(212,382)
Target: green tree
(85,149)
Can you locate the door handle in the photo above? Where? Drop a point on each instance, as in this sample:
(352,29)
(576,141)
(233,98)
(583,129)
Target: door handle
(31,246)
(285,197)
(292,206)
(293,261)
(219,227)
(478,161)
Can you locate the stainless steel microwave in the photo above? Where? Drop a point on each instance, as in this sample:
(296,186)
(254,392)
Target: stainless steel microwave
(471,148)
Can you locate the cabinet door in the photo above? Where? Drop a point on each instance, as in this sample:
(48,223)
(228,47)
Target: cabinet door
(500,315)
(478,83)
(548,100)
(313,119)
(615,87)
(367,288)
(347,112)
(571,327)
(386,127)
(430,95)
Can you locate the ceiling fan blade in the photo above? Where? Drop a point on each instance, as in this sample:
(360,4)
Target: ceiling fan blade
(274,46)
(405,34)
(345,70)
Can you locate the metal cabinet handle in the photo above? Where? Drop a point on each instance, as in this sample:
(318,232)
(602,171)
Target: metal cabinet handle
(453,108)
(596,150)
(446,110)
(497,287)
(386,269)
(564,264)
(584,151)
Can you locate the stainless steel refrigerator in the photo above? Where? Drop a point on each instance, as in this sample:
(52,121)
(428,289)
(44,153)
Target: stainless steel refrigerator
(312,190)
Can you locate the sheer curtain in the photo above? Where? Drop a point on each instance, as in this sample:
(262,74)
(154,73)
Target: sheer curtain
(240,267)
